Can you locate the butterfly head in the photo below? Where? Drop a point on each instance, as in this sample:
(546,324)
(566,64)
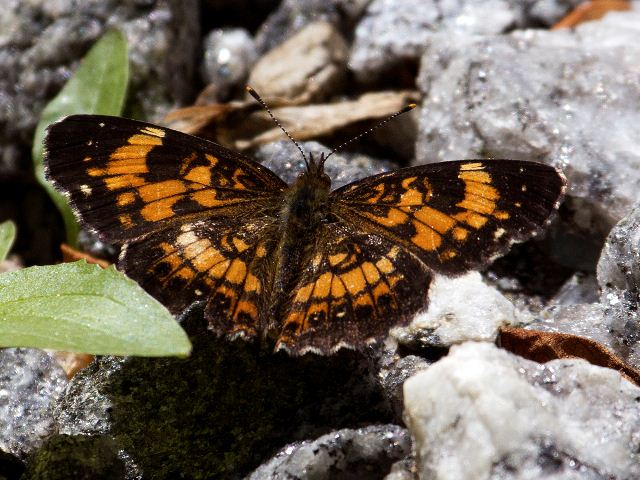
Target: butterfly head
(314,173)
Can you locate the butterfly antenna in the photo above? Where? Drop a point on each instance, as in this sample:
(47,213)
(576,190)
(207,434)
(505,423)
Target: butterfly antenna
(409,107)
(255,95)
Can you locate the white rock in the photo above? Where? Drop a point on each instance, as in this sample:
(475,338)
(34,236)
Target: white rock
(483,413)
(461,309)
(347,453)
(567,97)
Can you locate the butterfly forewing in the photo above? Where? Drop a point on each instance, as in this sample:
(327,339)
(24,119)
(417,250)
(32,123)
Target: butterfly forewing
(454,216)
(126,179)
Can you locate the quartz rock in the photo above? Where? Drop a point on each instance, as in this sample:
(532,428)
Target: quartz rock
(30,383)
(364,453)
(565,97)
(484,413)
(611,320)
(460,309)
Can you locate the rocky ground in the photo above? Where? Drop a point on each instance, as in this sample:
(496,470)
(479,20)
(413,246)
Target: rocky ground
(440,398)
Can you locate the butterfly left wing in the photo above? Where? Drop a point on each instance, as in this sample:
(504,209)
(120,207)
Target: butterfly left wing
(223,261)
(454,216)
(354,288)
(126,179)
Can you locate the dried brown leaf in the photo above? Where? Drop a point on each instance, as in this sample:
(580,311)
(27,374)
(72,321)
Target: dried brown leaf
(72,362)
(592,10)
(545,346)
(244,125)
(70,254)
(312,121)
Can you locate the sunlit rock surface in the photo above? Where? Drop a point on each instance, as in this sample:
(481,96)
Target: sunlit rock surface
(482,413)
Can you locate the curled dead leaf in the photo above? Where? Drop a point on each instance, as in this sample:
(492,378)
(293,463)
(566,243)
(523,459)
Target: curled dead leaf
(592,10)
(72,362)
(545,346)
(70,254)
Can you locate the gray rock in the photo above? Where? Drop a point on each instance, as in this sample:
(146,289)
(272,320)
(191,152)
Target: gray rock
(364,453)
(580,288)
(393,371)
(221,412)
(30,382)
(619,264)
(483,413)
(228,56)
(307,66)
(42,41)
(293,15)
(284,159)
(540,95)
(612,319)
(396,31)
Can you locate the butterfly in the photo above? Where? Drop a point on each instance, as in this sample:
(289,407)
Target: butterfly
(304,267)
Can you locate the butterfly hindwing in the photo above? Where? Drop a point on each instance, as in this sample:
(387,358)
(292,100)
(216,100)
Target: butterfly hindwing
(354,288)
(454,216)
(126,179)
(224,262)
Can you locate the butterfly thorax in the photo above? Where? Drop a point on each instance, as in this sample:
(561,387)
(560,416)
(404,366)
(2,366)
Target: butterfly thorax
(306,201)
(304,209)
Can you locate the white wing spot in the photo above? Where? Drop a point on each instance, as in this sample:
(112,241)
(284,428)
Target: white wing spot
(86,190)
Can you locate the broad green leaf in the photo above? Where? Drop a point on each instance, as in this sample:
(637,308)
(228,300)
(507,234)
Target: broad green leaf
(99,86)
(81,307)
(7,236)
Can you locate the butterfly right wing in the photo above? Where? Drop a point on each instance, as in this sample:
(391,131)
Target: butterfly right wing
(454,216)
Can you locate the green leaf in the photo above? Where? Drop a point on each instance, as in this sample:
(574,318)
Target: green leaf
(7,236)
(99,86)
(81,307)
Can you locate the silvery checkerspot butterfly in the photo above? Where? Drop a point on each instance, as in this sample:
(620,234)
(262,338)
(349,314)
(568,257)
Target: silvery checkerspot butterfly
(308,268)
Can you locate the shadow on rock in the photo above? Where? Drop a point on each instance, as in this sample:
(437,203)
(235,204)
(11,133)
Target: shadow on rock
(221,412)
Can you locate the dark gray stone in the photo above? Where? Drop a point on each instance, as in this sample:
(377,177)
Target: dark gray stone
(293,15)
(81,458)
